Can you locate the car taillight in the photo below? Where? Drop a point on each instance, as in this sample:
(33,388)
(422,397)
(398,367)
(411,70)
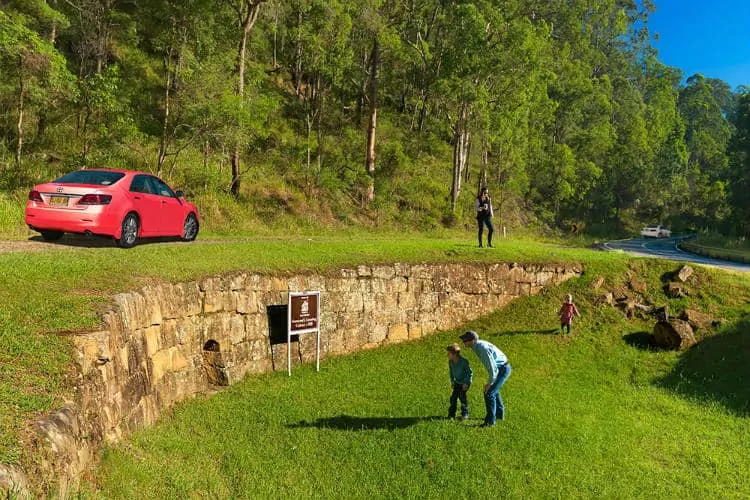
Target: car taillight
(35,196)
(95,199)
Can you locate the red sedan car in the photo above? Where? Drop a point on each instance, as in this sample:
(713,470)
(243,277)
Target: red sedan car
(122,204)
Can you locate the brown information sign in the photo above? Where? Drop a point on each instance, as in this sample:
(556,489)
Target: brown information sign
(304,312)
(303,317)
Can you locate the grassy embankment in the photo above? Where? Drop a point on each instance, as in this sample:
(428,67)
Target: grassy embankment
(598,414)
(61,289)
(718,247)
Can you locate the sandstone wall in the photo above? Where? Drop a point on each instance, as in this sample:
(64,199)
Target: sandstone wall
(165,343)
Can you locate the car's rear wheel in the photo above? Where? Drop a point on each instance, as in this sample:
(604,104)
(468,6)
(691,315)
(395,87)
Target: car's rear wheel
(129,232)
(51,235)
(190,229)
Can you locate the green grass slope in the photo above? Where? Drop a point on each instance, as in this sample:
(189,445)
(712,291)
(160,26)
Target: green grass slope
(597,414)
(44,293)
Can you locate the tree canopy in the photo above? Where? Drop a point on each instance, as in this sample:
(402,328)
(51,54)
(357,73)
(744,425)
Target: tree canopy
(380,109)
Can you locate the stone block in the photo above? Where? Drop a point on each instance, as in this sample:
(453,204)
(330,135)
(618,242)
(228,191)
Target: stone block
(407,300)
(415,331)
(246,302)
(398,333)
(427,302)
(402,270)
(236,329)
(168,333)
(684,273)
(674,334)
(364,271)
(213,284)
(380,286)
(383,272)
(238,282)
(348,273)
(151,336)
(154,297)
(256,327)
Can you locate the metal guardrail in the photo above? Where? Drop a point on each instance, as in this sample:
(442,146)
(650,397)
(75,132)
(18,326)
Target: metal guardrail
(715,252)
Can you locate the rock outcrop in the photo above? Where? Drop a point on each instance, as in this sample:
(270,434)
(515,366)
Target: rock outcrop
(674,334)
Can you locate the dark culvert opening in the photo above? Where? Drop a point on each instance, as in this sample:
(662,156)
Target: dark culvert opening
(216,371)
(277,334)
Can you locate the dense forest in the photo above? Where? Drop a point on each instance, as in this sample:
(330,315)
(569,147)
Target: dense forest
(377,111)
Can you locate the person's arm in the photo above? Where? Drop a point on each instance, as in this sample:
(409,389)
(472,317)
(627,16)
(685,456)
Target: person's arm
(465,370)
(575,310)
(477,204)
(489,365)
(489,204)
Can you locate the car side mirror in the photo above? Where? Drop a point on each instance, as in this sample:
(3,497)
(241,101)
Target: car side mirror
(179,194)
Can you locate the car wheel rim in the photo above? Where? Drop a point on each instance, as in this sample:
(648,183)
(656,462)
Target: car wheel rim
(129,230)
(191,225)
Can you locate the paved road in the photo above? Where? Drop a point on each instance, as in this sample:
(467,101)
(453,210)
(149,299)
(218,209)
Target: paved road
(666,248)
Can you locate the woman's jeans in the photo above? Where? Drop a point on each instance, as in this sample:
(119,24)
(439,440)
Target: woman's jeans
(492,400)
(481,222)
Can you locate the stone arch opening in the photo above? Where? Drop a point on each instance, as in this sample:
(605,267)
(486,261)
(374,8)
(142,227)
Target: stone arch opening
(216,370)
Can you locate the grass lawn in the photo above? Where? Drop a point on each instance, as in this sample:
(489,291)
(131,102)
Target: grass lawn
(597,414)
(61,289)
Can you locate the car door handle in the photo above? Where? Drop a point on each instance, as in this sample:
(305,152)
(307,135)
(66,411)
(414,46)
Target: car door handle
(137,197)
(163,202)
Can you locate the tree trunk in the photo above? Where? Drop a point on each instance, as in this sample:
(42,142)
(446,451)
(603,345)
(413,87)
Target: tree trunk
(103,37)
(372,124)
(19,124)
(461,143)
(165,126)
(297,73)
(482,180)
(321,103)
(247,21)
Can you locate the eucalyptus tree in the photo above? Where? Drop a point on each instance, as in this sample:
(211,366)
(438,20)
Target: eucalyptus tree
(246,14)
(664,190)
(739,150)
(707,136)
(318,54)
(177,38)
(33,75)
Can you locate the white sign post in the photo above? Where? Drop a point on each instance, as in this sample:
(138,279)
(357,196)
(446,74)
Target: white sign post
(303,317)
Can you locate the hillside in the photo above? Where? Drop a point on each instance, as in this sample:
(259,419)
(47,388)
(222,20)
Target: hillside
(375,114)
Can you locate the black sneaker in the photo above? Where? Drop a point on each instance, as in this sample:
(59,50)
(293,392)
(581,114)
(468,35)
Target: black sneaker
(464,417)
(485,424)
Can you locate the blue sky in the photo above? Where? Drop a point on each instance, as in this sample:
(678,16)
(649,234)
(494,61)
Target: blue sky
(709,37)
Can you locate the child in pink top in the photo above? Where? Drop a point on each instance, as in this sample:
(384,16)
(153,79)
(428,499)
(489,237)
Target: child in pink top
(566,313)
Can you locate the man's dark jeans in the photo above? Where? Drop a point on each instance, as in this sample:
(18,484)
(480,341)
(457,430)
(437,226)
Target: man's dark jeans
(459,394)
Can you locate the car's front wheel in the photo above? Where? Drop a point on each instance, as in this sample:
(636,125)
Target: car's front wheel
(129,232)
(190,229)
(52,235)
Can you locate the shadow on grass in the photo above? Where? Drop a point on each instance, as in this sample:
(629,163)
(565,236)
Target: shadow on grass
(83,241)
(548,331)
(718,369)
(351,423)
(641,340)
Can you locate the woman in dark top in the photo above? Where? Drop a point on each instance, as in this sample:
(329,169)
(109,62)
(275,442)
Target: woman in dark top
(483,207)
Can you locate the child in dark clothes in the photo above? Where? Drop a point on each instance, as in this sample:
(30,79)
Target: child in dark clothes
(460,376)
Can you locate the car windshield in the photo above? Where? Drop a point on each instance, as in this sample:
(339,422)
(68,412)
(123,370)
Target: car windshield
(98,177)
